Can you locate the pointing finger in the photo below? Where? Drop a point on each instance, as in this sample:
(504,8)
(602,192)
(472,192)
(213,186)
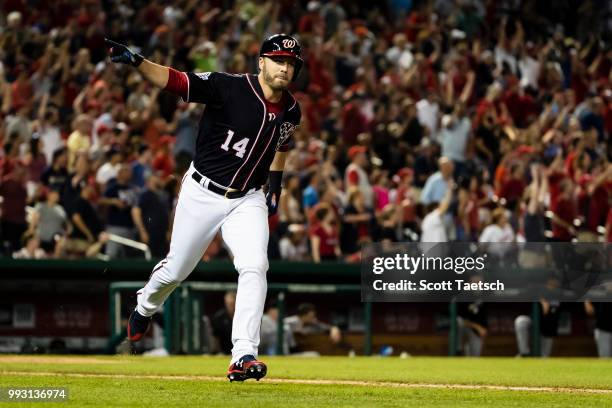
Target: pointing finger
(111,43)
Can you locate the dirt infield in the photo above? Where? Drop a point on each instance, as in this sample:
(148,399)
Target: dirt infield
(322,382)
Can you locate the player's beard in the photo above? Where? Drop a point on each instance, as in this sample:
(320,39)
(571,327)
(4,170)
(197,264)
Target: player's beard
(269,79)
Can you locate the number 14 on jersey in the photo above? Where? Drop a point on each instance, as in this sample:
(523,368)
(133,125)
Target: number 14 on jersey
(240,146)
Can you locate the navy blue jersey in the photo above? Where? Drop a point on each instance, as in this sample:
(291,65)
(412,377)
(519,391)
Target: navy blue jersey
(549,322)
(121,217)
(237,136)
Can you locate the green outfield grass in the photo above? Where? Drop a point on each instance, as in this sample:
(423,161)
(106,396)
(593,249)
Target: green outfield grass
(330,381)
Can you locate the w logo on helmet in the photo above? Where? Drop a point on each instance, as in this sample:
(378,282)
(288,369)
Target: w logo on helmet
(288,43)
(283,45)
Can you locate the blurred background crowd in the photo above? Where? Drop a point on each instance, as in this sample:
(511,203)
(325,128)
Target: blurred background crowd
(433,121)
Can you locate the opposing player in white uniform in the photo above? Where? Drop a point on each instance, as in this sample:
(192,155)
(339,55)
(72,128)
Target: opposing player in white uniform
(243,138)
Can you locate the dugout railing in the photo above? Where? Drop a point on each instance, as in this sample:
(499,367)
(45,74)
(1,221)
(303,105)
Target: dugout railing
(183,311)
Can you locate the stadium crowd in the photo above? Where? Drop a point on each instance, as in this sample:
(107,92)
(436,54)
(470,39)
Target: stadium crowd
(432,120)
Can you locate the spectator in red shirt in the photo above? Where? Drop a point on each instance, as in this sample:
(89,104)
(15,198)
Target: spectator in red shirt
(564,213)
(488,107)
(512,189)
(163,162)
(311,22)
(405,197)
(520,105)
(324,238)
(354,121)
(556,174)
(597,197)
(417,21)
(21,90)
(13,219)
(468,222)
(380,189)
(10,159)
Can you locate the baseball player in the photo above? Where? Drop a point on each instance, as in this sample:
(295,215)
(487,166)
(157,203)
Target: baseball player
(602,311)
(472,327)
(242,143)
(549,326)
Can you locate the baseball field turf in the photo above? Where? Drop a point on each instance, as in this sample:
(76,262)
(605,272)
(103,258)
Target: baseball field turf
(120,381)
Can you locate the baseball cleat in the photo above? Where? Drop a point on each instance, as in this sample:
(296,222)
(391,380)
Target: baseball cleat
(247,367)
(138,325)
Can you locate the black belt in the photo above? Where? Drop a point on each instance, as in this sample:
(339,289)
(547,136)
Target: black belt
(227,193)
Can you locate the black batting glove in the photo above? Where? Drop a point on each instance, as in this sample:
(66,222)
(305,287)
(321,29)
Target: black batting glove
(122,54)
(272,203)
(274,192)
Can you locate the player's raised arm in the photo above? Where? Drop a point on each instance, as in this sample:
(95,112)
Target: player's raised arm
(154,73)
(207,87)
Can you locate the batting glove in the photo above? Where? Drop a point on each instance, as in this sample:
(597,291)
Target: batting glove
(122,54)
(272,202)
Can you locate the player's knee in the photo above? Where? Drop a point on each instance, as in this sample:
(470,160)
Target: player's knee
(167,277)
(172,272)
(259,265)
(168,282)
(522,322)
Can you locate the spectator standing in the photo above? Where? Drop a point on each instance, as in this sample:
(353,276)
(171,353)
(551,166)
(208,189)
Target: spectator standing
(120,197)
(49,220)
(356,175)
(56,175)
(455,136)
(437,184)
(13,217)
(222,323)
(294,245)
(357,222)
(151,216)
(324,239)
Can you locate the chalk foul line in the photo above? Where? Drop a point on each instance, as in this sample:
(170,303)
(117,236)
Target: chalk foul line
(319,382)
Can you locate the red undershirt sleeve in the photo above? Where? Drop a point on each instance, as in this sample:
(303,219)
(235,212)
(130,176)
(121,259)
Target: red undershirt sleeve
(178,83)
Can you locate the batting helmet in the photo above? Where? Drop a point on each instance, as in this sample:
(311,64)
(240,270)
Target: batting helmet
(283,45)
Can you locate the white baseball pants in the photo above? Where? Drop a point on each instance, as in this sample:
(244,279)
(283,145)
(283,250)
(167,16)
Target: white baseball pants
(522,328)
(200,214)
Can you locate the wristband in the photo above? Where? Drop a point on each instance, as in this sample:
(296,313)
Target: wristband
(275,181)
(137,60)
